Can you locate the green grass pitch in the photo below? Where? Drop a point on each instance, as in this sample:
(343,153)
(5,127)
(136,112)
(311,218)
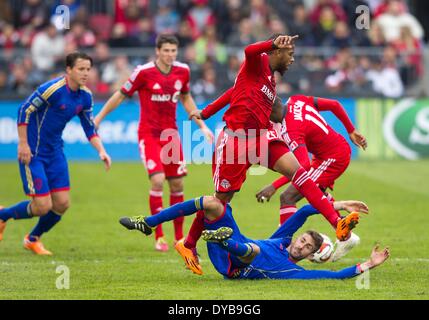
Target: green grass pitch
(108,262)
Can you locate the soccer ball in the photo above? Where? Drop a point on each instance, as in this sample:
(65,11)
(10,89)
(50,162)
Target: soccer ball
(324,253)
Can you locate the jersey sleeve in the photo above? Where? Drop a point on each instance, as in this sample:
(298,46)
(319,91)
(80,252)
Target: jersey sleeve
(295,222)
(337,109)
(304,274)
(134,82)
(87,118)
(35,102)
(253,53)
(217,105)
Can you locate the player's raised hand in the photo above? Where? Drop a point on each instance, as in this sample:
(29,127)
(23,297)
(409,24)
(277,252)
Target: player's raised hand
(266,193)
(106,159)
(24,153)
(195,114)
(358,139)
(285,42)
(351,206)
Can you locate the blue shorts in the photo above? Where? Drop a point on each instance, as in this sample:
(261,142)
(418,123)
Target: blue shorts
(222,260)
(45,175)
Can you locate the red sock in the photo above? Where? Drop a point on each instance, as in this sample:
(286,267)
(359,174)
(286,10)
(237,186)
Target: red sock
(155,203)
(195,231)
(286,212)
(332,200)
(177,197)
(302,182)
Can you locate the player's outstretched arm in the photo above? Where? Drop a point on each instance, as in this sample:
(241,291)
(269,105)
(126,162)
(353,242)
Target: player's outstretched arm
(114,101)
(351,206)
(190,107)
(213,107)
(358,139)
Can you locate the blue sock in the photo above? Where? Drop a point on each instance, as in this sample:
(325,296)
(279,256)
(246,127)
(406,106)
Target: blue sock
(185,208)
(18,211)
(45,224)
(236,248)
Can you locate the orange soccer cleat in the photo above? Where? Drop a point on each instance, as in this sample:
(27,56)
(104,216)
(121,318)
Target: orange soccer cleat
(189,256)
(345,226)
(2,226)
(36,246)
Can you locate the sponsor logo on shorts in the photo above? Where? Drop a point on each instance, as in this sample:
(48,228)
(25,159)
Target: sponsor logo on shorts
(38,184)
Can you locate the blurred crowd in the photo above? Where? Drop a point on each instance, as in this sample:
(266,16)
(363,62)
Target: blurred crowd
(333,55)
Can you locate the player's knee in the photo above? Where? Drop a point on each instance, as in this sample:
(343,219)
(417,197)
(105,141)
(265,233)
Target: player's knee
(287,198)
(256,249)
(61,206)
(41,207)
(157,181)
(225,197)
(176,185)
(213,208)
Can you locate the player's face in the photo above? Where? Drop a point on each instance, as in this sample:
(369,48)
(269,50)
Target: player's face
(167,54)
(302,247)
(80,71)
(285,59)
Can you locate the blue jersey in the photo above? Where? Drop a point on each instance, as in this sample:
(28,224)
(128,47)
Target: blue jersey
(47,111)
(273,261)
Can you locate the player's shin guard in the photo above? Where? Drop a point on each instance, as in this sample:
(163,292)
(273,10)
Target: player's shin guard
(19,211)
(302,182)
(46,223)
(286,212)
(197,228)
(236,248)
(177,197)
(155,203)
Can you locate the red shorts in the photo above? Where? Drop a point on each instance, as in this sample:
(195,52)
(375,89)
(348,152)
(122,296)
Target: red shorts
(235,153)
(163,156)
(325,171)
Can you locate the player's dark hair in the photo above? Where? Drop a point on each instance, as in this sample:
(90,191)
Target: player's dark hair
(72,58)
(166,38)
(317,238)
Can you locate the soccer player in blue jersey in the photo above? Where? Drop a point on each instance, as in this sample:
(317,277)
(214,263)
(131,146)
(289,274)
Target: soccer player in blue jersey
(42,164)
(238,257)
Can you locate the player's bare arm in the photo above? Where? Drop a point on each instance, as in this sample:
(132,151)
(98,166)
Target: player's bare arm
(351,206)
(358,139)
(377,258)
(190,106)
(114,101)
(24,151)
(98,145)
(266,193)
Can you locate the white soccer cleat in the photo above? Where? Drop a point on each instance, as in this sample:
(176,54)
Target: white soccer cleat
(343,247)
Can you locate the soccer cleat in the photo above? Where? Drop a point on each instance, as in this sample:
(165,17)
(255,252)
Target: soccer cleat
(36,246)
(189,256)
(218,235)
(343,247)
(345,225)
(161,245)
(136,223)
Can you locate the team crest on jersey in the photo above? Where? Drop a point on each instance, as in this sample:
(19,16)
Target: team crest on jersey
(37,102)
(150,164)
(156,86)
(225,184)
(178,85)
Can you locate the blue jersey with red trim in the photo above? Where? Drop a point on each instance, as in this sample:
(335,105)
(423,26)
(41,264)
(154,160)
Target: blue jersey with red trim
(273,261)
(47,111)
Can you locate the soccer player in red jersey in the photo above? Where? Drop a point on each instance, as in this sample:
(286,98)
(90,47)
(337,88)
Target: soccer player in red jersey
(305,130)
(160,84)
(248,129)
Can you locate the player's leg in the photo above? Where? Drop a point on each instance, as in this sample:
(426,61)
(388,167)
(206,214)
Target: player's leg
(58,177)
(177,196)
(288,200)
(150,153)
(286,164)
(36,186)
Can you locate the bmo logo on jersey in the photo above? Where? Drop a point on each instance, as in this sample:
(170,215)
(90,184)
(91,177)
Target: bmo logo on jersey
(268,92)
(166,97)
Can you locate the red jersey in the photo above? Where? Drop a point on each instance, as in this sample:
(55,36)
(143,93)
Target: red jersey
(303,124)
(159,93)
(254,90)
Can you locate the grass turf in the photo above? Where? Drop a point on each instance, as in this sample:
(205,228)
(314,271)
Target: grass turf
(108,262)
